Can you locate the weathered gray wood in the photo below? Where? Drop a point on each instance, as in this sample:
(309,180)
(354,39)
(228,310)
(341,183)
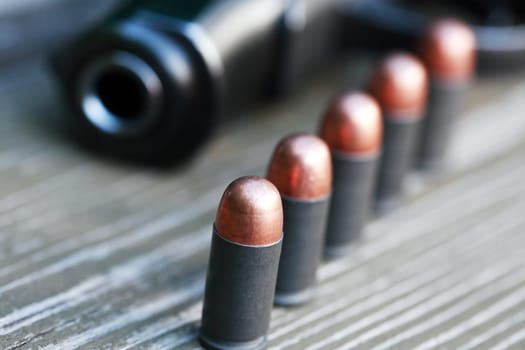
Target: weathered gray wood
(100,255)
(29,32)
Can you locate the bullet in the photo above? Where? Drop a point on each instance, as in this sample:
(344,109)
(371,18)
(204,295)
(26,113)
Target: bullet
(242,268)
(400,87)
(448,50)
(301,169)
(352,128)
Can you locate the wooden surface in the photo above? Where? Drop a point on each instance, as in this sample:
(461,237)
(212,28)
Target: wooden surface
(100,255)
(27,31)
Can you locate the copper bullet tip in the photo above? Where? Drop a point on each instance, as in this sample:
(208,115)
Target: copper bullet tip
(352,125)
(250,212)
(400,86)
(449,50)
(301,167)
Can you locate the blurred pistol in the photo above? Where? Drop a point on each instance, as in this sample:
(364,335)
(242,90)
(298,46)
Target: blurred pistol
(151,84)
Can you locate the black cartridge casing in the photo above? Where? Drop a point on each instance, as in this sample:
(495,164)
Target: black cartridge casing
(352,192)
(239,294)
(444,104)
(399,142)
(304,226)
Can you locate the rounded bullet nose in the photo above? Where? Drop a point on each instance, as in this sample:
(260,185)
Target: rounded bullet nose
(400,86)
(301,167)
(250,212)
(449,50)
(352,125)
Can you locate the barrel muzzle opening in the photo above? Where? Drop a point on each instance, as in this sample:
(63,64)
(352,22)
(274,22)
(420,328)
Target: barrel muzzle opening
(121,94)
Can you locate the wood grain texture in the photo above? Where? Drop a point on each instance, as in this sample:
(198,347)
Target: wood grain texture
(100,255)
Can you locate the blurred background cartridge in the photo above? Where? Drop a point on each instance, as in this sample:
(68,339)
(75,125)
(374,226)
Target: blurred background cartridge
(301,169)
(498,25)
(352,127)
(400,86)
(152,84)
(448,50)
